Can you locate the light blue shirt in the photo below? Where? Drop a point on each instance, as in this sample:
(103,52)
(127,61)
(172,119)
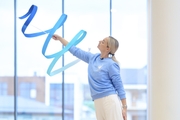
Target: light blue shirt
(103,75)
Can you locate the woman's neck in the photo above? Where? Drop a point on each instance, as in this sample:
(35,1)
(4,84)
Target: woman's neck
(103,55)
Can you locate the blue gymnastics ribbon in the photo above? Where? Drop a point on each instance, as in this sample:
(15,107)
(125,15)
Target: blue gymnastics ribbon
(77,39)
(31,13)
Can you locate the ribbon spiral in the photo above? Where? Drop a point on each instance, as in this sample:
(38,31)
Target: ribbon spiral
(77,39)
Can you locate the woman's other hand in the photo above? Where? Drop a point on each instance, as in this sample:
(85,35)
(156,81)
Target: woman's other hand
(124,113)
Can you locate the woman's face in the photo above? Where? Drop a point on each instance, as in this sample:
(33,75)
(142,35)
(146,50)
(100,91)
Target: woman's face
(103,45)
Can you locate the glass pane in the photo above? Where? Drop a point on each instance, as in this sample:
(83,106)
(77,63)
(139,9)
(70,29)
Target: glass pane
(93,17)
(38,98)
(129,26)
(7,60)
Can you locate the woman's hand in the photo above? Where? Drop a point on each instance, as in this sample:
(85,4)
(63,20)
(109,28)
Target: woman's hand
(56,37)
(124,108)
(62,40)
(124,113)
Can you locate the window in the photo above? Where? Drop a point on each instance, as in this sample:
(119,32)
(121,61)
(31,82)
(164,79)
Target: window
(27,90)
(3,88)
(56,95)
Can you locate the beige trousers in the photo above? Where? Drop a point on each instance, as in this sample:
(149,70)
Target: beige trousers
(108,108)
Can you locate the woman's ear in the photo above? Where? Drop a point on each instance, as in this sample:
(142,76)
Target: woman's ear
(108,49)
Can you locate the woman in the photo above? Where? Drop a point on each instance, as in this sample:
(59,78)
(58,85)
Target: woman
(104,79)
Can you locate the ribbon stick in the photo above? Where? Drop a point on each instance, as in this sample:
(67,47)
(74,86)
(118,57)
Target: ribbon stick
(76,40)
